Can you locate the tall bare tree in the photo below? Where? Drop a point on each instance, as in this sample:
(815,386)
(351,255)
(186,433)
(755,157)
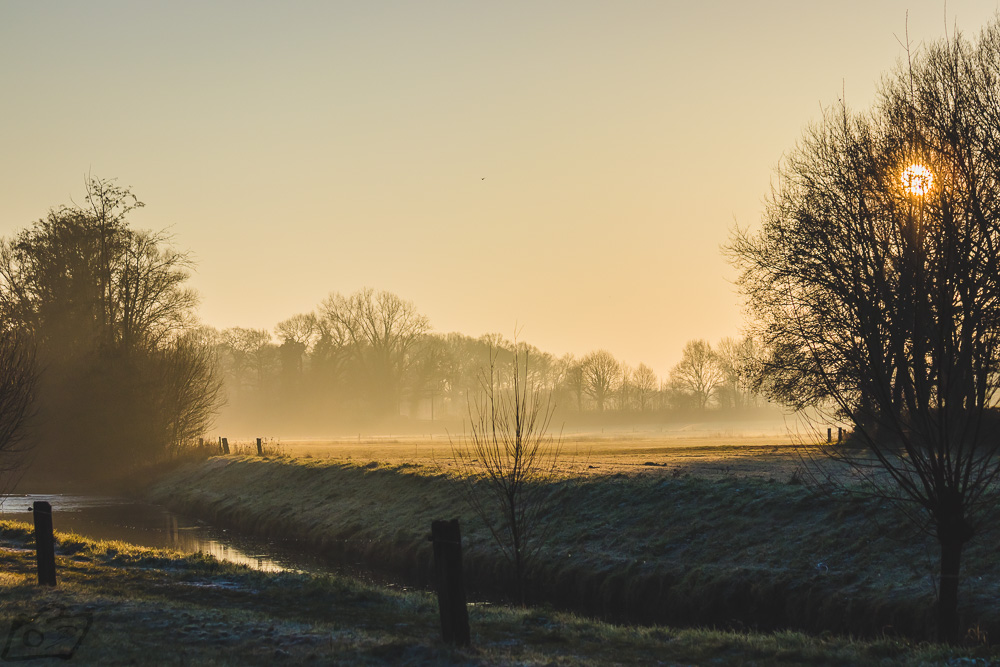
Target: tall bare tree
(600,373)
(645,383)
(252,356)
(381,329)
(874,286)
(738,360)
(103,304)
(18,379)
(297,334)
(698,373)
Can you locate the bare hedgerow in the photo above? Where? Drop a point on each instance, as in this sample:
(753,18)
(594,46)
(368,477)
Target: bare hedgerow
(506,459)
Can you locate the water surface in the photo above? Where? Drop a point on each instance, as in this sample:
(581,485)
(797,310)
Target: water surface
(147,525)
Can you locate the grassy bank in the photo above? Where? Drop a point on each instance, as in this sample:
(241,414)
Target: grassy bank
(736,553)
(157,607)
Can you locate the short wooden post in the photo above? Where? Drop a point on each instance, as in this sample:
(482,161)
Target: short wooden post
(220,445)
(829,435)
(447,541)
(225,445)
(260,448)
(45,546)
(840,434)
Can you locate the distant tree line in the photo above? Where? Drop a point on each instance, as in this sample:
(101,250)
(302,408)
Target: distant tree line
(106,367)
(372,355)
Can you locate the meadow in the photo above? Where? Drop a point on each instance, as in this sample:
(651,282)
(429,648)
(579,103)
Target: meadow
(704,453)
(709,532)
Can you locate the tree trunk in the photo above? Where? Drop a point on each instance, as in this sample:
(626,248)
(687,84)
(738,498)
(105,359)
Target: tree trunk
(951,561)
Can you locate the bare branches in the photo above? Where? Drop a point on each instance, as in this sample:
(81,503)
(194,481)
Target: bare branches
(106,307)
(506,457)
(18,379)
(380,329)
(601,375)
(883,300)
(699,372)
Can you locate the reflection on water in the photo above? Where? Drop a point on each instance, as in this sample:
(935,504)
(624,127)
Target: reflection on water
(107,518)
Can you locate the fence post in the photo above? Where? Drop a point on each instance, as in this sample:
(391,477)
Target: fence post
(225,445)
(260,448)
(447,541)
(45,547)
(840,434)
(829,435)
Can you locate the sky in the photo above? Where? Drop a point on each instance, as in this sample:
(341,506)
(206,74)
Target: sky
(568,169)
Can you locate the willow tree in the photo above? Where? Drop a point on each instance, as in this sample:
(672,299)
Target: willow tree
(874,284)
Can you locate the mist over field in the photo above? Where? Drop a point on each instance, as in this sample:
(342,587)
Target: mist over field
(463,331)
(370,363)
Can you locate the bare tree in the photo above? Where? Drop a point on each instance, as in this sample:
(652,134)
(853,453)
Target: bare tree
(624,390)
(875,288)
(18,378)
(252,355)
(600,374)
(103,305)
(189,390)
(82,278)
(570,380)
(149,305)
(300,329)
(645,382)
(506,457)
(297,335)
(738,361)
(698,373)
(381,328)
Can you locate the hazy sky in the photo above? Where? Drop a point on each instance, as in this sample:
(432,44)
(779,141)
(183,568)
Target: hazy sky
(570,167)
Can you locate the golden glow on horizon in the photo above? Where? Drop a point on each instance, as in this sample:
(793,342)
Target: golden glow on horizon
(917,180)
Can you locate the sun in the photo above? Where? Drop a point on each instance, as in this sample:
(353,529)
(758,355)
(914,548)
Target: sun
(917,179)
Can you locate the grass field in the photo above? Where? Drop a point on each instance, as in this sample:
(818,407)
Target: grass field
(642,531)
(155,607)
(631,453)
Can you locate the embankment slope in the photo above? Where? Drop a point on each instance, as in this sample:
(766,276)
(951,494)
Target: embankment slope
(732,552)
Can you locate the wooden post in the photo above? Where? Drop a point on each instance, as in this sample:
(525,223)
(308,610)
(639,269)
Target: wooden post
(829,435)
(260,448)
(840,434)
(450,588)
(45,547)
(220,445)
(225,445)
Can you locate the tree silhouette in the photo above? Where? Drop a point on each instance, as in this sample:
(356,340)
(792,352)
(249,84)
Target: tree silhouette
(505,458)
(645,383)
(18,379)
(105,307)
(600,373)
(880,296)
(381,328)
(698,374)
